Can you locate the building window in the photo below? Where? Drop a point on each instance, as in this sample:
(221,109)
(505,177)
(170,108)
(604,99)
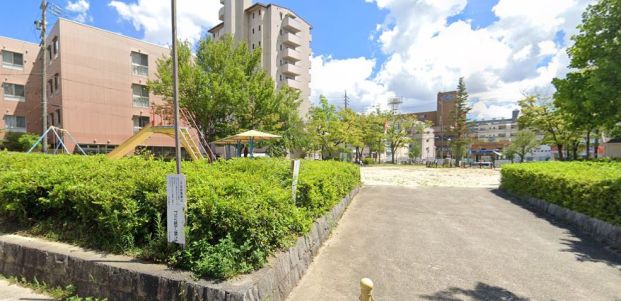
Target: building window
(14,92)
(259,13)
(253,15)
(280,46)
(50,87)
(15,123)
(259,27)
(259,43)
(140,122)
(252,46)
(252,30)
(49,54)
(56,82)
(140,95)
(55,46)
(12,60)
(58,118)
(281,15)
(140,64)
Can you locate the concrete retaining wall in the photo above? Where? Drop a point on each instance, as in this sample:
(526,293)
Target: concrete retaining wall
(600,230)
(123,278)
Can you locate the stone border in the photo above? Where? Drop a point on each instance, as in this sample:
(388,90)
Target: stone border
(602,231)
(124,278)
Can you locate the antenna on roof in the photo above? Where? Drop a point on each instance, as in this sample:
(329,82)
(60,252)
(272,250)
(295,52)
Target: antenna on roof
(55,9)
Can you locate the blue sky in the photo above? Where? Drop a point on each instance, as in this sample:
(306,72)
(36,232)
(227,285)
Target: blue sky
(377,49)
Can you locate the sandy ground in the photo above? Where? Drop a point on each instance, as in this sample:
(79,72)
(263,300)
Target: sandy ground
(417,176)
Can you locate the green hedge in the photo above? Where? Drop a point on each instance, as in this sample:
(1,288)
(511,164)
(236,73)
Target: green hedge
(592,188)
(239,211)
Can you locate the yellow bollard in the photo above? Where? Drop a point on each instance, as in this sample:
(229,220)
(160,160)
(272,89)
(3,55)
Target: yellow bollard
(366,289)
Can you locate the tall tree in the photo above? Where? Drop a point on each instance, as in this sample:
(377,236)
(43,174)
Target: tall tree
(458,130)
(540,114)
(399,132)
(525,142)
(226,91)
(595,54)
(325,129)
(373,127)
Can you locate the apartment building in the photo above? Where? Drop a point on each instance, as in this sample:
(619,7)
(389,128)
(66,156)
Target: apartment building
(96,86)
(20,85)
(494,130)
(283,37)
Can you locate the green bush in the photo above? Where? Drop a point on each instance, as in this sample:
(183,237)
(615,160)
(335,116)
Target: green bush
(239,211)
(19,142)
(592,188)
(368,161)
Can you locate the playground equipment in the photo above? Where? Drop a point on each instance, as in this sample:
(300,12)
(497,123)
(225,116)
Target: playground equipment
(145,133)
(249,137)
(58,142)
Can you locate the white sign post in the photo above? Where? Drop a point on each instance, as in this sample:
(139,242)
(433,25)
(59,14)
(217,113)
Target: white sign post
(175,209)
(296,173)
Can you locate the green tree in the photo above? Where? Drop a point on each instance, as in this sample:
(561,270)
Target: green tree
(373,126)
(19,142)
(525,141)
(540,114)
(226,91)
(595,53)
(325,129)
(415,149)
(399,132)
(458,130)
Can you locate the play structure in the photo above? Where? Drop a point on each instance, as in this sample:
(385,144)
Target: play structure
(58,143)
(192,148)
(250,137)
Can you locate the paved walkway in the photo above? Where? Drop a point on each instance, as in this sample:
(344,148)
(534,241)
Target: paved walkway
(456,244)
(13,292)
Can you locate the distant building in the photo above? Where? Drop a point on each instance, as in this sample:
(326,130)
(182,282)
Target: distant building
(283,37)
(612,148)
(495,130)
(441,120)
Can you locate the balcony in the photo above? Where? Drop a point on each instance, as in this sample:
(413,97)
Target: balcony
(141,101)
(293,24)
(292,54)
(294,84)
(221,12)
(291,69)
(140,70)
(292,39)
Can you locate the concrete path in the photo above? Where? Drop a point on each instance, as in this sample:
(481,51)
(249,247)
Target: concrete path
(13,292)
(456,244)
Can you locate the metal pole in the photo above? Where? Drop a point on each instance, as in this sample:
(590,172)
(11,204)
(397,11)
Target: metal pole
(176,85)
(44,76)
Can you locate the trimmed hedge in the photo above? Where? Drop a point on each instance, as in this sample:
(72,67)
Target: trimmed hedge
(239,211)
(592,188)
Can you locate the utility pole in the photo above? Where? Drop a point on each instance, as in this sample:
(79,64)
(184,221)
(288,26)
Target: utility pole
(176,85)
(43,27)
(346,99)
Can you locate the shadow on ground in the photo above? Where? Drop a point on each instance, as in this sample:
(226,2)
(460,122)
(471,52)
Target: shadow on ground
(481,291)
(580,243)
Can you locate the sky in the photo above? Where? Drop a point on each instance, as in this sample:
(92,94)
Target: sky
(376,49)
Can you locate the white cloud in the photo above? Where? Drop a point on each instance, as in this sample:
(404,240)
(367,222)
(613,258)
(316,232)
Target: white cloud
(332,77)
(80,7)
(194,17)
(515,54)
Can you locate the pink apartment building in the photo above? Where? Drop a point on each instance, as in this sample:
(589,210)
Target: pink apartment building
(96,86)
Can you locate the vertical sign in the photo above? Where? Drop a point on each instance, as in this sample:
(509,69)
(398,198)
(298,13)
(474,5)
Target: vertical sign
(175,209)
(295,164)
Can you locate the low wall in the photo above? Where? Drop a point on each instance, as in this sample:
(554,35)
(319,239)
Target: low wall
(602,231)
(124,278)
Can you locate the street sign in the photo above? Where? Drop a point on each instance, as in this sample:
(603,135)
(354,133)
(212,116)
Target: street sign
(296,173)
(175,209)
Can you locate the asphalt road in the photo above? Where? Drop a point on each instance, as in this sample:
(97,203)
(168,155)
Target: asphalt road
(456,244)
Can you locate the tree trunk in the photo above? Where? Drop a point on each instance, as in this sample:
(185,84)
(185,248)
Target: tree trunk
(560,152)
(575,149)
(588,145)
(392,150)
(596,143)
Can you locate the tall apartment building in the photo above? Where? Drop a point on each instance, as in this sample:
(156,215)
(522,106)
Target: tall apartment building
(494,130)
(283,37)
(96,85)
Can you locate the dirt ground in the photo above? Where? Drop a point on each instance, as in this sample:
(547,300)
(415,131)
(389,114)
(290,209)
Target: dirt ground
(420,176)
